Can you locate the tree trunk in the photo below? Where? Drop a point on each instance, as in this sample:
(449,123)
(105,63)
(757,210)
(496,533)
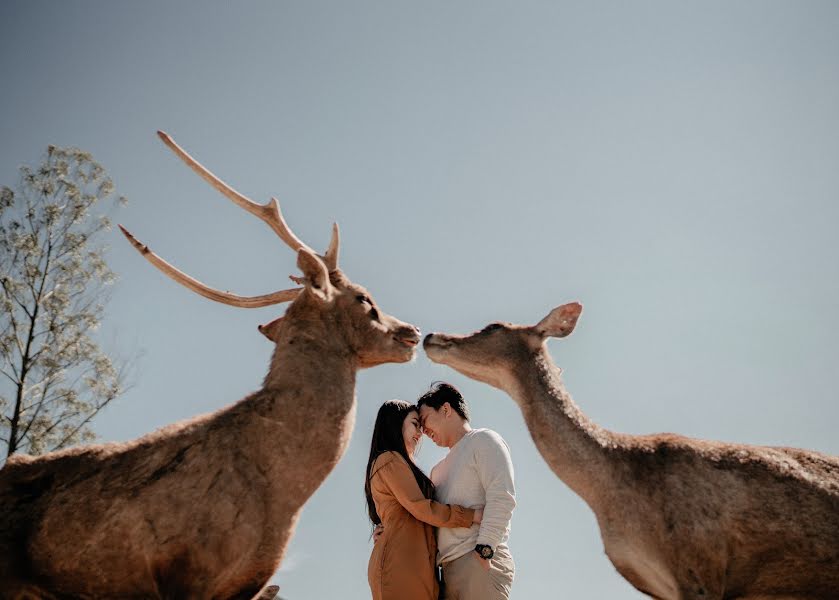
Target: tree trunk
(24,369)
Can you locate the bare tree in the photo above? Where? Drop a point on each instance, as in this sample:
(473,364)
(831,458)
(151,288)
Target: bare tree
(54,377)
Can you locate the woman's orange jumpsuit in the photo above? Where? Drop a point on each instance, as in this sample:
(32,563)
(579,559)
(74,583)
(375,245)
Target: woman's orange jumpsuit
(403,563)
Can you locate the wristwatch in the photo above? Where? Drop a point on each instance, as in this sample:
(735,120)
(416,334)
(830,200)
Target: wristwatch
(484,551)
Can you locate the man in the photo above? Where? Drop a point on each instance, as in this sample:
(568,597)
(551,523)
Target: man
(477,471)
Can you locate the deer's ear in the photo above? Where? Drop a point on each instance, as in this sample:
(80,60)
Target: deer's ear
(271,330)
(315,274)
(560,321)
(269,593)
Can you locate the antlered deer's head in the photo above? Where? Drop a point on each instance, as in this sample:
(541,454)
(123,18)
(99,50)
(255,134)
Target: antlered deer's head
(327,299)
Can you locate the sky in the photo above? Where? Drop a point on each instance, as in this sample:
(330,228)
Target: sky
(674,166)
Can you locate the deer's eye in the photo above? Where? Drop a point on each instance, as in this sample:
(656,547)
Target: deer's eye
(374,314)
(491,327)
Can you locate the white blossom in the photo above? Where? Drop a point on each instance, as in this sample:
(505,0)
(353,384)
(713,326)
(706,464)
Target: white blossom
(52,256)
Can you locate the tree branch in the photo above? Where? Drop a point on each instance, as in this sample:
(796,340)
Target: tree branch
(11,296)
(38,408)
(12,379)
(87,420)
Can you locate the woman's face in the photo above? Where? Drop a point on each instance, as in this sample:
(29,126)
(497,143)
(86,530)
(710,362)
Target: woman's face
(411,431)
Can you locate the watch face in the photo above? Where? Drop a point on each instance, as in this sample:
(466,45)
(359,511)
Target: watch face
(486,552)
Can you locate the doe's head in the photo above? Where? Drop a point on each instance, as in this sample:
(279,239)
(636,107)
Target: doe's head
(492,354)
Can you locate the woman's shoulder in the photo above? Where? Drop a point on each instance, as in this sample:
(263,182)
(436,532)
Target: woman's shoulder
(390,457)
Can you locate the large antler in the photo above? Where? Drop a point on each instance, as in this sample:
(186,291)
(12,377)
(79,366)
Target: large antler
(208,292)
(270,212)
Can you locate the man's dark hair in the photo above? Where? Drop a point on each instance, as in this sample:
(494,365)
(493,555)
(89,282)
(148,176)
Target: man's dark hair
(442,392)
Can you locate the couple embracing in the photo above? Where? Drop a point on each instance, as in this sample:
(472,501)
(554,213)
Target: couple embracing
(443,536)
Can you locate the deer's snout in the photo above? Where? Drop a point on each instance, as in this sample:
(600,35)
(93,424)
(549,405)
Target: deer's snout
(435,339)
(408,335)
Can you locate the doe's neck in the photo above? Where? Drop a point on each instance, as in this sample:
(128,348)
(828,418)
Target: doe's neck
(581,453)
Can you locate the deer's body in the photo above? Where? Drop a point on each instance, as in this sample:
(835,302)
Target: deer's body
(207,505)
(684,518)
(204,508)
(680,518)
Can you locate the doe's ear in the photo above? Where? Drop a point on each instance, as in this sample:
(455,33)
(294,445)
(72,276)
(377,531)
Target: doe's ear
(315,274)
(560,321)
(271,330)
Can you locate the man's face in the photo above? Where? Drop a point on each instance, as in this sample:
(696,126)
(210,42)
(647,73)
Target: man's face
(433,423)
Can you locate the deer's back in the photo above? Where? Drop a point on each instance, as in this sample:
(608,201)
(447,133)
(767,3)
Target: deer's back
(760,519)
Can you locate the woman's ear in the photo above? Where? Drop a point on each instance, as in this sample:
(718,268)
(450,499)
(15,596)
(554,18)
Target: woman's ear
(315,274)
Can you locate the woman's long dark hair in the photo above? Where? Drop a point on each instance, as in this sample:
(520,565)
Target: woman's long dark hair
(387,436)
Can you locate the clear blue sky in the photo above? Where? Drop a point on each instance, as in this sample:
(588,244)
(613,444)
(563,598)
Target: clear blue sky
(674,166)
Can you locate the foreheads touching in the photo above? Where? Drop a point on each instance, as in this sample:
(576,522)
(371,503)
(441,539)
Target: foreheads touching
(443,413)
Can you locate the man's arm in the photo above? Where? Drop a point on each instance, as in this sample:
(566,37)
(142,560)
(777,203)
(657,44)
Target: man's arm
(495,470)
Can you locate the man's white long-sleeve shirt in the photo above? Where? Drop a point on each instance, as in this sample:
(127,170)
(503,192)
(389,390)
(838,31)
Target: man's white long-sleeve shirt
(476,472)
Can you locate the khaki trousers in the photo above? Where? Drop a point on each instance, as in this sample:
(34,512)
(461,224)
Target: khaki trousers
(465,578)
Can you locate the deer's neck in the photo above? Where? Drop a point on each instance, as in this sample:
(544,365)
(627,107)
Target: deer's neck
(578,451)
(309,392)
(314,367)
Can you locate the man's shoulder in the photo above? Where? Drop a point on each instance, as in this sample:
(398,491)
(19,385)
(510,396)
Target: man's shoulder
(487,436)
(486,442)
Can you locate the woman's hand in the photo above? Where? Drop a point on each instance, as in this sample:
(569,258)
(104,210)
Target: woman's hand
(479,515)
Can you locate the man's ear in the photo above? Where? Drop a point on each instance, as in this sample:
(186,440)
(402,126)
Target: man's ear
(271,330)
(560,321)
(315,274)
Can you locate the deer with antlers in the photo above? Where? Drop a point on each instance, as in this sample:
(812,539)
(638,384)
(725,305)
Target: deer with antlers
(205,508)
(680,518)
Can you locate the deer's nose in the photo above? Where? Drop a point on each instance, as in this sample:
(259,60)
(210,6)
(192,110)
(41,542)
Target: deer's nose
(410,331)
(408,334)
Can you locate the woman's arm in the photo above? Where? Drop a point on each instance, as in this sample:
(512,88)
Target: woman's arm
(397,475)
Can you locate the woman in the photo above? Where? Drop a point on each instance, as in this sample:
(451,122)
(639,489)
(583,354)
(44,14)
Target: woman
(403,563)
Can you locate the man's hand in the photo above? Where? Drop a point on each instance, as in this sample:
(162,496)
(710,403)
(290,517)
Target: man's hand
(377,532)
(485,562)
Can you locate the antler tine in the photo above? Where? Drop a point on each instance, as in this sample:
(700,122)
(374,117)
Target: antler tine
(270,212)
(274,218)
(199,288)
(331,256)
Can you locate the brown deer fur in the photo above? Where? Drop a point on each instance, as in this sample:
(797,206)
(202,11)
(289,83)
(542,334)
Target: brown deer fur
(680,518)
(203,508)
